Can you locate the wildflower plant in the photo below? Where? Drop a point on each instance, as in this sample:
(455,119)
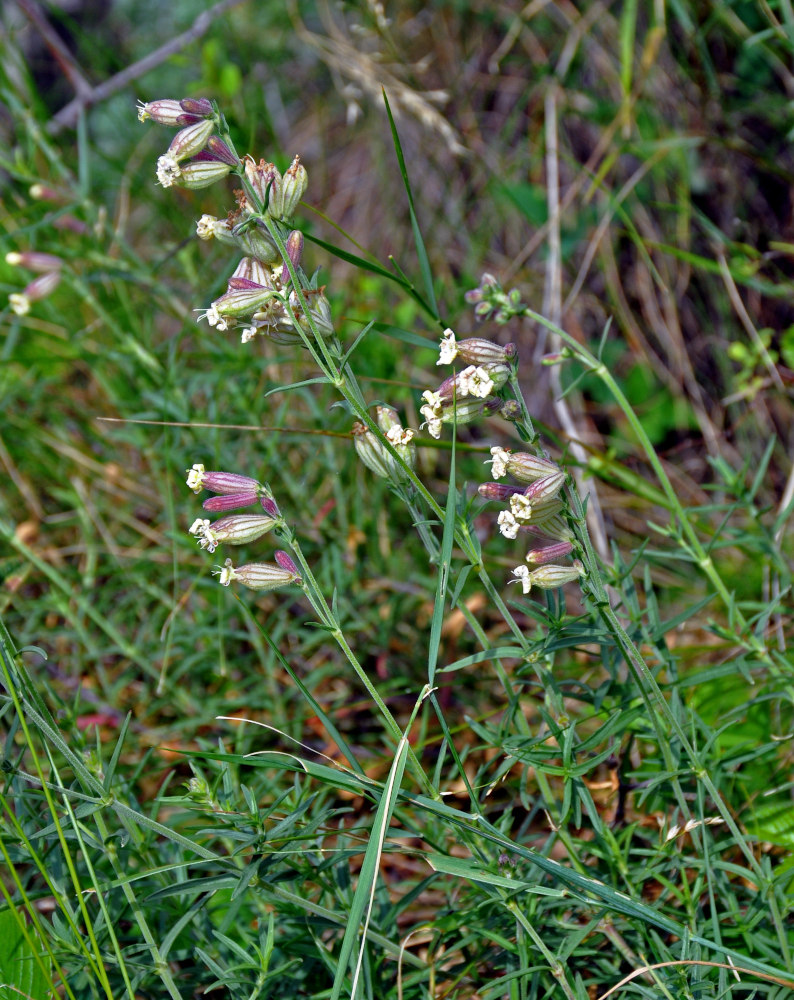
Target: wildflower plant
(531,500)
(409,730)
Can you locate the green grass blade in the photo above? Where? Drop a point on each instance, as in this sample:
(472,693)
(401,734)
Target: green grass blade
(421,251)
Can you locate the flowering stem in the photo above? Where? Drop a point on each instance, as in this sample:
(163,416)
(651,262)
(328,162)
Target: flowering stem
(519,398)
(329,621)
(699,554)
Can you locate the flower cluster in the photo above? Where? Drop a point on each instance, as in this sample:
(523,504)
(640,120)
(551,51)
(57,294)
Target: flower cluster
(260,297)
(47,266)
(490,301)
(233,493)
(471,393)
(376,456)
(534,508)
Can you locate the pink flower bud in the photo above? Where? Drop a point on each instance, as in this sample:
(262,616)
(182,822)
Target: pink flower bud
(34,261)
(497,491)
(218,150)
(253,269)
(164,112)
(231,501)
(39,288)
(199,479)
(40,192)
(549,553)
(294,246)
(197,106)
(269,506)
(285,562)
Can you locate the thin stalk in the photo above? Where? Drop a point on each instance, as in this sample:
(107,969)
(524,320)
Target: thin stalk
(314,594)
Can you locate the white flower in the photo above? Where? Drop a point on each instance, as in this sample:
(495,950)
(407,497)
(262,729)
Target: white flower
(508,525)
(205,227)
(398,435)
(168,170)
(448,350)
(214,318)
(20,303)
(226,573)
(195,478)
(434,426)
(248,334)
(521,507)
(500,458)
(433,403)
(475,381)
(521,573)
(203,532)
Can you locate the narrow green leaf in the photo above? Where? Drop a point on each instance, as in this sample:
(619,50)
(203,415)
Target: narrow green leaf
(444,568)
(364,894)
(424,263)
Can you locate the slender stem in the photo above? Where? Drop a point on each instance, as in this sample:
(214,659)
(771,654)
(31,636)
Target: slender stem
(315,596)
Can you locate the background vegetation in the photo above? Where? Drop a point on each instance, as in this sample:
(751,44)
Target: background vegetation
(625,162)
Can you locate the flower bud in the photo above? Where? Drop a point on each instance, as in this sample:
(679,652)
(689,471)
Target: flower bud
(34,261)
(511,411)
(231,501)
(474,351)
(376,456)
(257,576)
(547,577)
(164,112)
(199,174)
(551,526)
(257,242)
(236,529)
(294,246)
(547,554)
(269,506)
(497,491)
(546,488)
(293,188)
(218,150)
(191,140)
(285,562)
(197,106)
(557,358)
(242,301)
(40,192)
(39,288)
(487,281)
(525,467)
(199,479)
(263,176)
(254,271)
(319,311)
